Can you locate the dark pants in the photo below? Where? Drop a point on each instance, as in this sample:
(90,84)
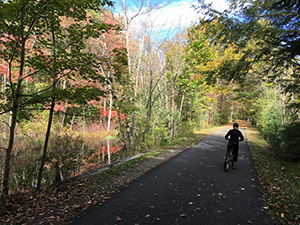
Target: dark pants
(235,150)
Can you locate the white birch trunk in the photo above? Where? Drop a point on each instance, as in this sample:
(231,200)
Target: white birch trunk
(108,126)
(181,104)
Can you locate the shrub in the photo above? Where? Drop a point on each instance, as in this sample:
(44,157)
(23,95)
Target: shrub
(25,164)
(66,151)
(270,127)
(290,141)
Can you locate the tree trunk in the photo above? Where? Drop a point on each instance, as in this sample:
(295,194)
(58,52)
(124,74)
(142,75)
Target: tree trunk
(10,147)
(181,104)
(15,97)
(72,122)
(5,119)
(108,126)
(172,125)
(112,90)
(133,114)
(149,103)
(82,155)
(50,117)
(45,145)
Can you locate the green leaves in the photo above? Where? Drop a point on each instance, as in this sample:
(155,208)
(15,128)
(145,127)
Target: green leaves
(262,31)
(43,44)
(68,21)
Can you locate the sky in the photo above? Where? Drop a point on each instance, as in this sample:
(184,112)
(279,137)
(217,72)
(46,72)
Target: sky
(168,17)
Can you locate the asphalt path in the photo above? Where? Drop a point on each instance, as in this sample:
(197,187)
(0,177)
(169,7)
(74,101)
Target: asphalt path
(191,188)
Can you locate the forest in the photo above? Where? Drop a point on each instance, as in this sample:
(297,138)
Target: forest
(81,89)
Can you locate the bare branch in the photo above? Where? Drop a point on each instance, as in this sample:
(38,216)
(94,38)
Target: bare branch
(48,88)
(6,111)
(5,123)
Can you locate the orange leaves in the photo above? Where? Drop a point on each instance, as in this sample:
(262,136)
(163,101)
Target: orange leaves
(114,114)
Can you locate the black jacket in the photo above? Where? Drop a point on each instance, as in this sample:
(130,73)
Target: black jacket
(235,136)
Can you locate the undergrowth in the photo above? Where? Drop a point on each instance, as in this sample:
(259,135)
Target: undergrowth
(280,181)
(60,204)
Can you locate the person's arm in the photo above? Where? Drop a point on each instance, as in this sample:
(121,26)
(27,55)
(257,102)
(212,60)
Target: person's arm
(241,136)
(227,135)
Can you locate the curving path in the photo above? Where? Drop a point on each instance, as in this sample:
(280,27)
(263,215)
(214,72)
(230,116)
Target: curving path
(191,188)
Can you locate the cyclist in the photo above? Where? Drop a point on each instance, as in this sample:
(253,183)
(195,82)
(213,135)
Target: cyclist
(235,137)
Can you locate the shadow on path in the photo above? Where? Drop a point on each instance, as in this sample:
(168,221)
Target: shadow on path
(191,188)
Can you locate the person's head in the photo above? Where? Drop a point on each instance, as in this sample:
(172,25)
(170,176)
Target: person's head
(235,126)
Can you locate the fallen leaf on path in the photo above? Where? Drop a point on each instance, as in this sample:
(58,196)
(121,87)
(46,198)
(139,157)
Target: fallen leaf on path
(76,206)
(118,218)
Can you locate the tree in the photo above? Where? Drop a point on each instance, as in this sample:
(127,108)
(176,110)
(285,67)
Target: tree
(139,8)
(39,23)
(265,35)
(274,26)
(203,79)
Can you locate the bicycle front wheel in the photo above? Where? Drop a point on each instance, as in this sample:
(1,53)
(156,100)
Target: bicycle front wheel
(227,164)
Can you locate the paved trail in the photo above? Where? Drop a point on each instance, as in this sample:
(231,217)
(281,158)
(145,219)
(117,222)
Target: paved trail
(191,188)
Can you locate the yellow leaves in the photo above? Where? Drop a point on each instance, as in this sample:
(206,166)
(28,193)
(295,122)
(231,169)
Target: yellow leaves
(225,90)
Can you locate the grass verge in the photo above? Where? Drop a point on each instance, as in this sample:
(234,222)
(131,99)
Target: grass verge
(280,181)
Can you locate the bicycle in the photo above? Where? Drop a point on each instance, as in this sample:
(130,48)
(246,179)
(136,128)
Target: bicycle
(228,157)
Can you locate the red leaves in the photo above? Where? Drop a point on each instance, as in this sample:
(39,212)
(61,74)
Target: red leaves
(114,114)
(59,108)
(3,69)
